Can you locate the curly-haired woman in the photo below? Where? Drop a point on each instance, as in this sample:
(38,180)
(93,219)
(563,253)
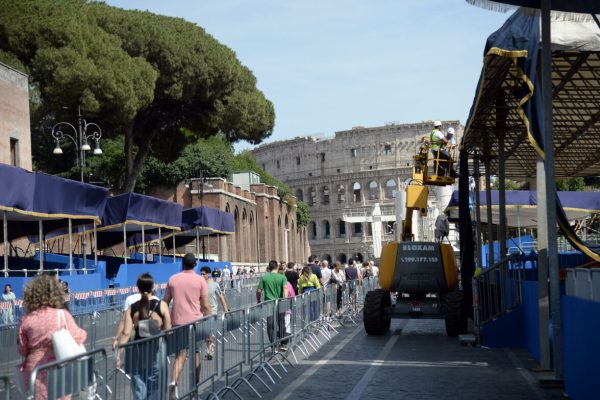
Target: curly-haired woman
(43,299)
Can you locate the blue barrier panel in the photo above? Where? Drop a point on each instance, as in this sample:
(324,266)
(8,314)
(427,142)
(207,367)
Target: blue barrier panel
(128,274)
(581,347)
(84,283)
(506,331)
(532,321)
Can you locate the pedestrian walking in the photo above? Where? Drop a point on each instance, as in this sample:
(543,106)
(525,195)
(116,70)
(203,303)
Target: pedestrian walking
(338,278)
(292,276)
(189,293)
(44,315)
(274,286)
(215,296)
(149,316)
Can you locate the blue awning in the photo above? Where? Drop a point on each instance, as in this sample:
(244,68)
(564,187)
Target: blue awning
(37,196)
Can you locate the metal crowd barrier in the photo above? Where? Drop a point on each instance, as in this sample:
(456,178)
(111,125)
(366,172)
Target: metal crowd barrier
(248,346)
(4,388)
(78,377)
(496,290)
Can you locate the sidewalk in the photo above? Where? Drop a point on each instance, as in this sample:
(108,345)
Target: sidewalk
(414,361)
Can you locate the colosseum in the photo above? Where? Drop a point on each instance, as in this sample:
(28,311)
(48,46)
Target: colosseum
(350,182)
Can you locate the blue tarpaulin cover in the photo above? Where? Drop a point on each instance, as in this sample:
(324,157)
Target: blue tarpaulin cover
(205,220)
(37,196)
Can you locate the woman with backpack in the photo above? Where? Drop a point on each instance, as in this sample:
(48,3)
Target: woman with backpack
(148,316)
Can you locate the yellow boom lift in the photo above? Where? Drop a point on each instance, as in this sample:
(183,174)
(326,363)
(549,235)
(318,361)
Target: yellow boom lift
(418,279)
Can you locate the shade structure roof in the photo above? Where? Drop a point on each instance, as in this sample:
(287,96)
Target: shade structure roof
(134,212)
(198,221)
(33,196)
(572,6)
(508,98)
(521,206)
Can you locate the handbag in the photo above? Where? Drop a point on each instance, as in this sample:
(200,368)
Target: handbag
(63,343)
(148,327)
(21,379)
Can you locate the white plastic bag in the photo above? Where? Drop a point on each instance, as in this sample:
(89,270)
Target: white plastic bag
(63,343)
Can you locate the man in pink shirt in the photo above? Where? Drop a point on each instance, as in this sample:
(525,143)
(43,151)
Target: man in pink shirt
(189,293)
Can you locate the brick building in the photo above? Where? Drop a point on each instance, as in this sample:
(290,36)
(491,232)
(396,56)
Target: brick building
(266,227)
(15,133)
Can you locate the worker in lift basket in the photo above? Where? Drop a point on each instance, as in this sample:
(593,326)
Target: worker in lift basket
(439,149)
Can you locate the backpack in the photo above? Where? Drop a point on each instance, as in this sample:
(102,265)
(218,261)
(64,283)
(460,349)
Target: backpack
(368,273)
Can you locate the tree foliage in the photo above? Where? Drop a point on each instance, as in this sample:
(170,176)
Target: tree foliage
(571,184)
(159,82)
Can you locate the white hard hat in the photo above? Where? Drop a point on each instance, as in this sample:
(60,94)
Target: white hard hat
(450,131)
(437,123)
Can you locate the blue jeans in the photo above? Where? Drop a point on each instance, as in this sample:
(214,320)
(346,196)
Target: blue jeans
(144,383)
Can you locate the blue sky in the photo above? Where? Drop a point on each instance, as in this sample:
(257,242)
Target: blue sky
(329,65)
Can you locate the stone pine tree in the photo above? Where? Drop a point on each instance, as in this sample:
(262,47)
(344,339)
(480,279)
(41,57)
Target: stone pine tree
(155,79)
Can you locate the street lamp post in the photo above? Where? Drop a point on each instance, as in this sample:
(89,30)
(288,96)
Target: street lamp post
(80,137)
(200,180)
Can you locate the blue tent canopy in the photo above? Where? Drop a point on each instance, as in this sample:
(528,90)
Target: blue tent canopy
(198,221)
(54,200)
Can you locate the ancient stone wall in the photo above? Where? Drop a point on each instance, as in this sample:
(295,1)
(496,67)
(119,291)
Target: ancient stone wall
(342,178)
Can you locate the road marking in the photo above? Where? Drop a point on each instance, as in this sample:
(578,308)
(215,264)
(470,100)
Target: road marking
(360,387)
(311,371)
(411,364)
(539,394)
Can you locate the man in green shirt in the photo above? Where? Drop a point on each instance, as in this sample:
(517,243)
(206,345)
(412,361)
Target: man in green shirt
(274,286)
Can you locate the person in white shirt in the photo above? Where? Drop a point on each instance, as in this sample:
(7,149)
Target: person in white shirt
(325,273)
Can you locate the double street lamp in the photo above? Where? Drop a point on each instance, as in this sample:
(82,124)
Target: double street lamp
(81,137)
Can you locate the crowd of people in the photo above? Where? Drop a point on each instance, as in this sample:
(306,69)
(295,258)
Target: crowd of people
(189,297)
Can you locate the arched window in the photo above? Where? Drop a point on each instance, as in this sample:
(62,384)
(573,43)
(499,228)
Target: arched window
(326,257)
(325,195)
(373,191)
(390,189)
(341,228)
(356,192)
(341,194)
(286,222)
(358,257)
(312,230)
(326,229)
(342,258)
(299,194)
(227,208)
(244,216)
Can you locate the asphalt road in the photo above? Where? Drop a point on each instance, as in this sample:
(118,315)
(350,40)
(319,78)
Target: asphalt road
(414,361)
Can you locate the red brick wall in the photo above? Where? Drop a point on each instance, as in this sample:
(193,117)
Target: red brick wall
(14,116)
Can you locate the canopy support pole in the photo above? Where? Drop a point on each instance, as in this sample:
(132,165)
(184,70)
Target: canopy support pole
(143,245)
(95,246)
(70,246)
(478,255)
(502,197)
(174,248)
(548,188)
(490,219)
(6,245)
(125,243)
(197,242)
(159,245)
(208,244)
(84,250)
(41,236)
